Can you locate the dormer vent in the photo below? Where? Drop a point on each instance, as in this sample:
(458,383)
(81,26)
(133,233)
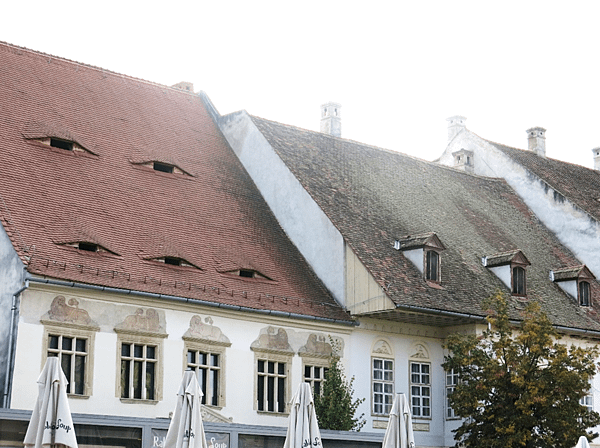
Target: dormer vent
(464,160)
(510,268)
(536,138)
(331,120)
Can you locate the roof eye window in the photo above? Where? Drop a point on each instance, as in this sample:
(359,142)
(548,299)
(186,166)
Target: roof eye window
(162,167)
(173,261)
(89,247)
(62,144)
(246,273)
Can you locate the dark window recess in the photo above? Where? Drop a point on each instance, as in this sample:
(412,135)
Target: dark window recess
(90,247)
(584,294)
(173,261)
(246,273)
(518,281)
(163,167)
(62,144)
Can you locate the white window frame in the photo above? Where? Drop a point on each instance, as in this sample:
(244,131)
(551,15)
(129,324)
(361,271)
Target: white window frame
(278,358)
(452,380)
(209,348)
(77,332)
(420,390)
(319,364)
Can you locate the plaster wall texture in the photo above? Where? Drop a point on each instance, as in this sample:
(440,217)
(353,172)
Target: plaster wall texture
(573,227)
(503,273)
(301,218)
(11,280)
(107,311)
(416,258)
(570,287)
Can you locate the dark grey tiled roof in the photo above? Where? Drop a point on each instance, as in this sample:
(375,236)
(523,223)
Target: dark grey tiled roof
(579,184)
(374,195)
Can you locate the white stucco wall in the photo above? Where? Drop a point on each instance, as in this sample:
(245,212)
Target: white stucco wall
(301,218)
(11,280)
(574,228)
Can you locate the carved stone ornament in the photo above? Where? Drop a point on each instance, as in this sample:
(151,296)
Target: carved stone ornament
(272,338)
(210,415)
(420,352)
(382,348)
(317,345)
(143,320)
(61,311)
(205,330)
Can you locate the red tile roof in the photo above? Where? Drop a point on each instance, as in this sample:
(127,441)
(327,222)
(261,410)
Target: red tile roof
(212,216)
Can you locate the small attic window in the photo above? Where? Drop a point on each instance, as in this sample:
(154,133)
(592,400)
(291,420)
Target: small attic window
(246,273)
(62,144)
(173,261)
(89,247)
(584,293)
(432,266)
(162,167)
(518,281)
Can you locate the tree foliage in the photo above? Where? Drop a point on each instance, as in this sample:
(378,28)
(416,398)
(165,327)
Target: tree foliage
(520,388)
(335,407)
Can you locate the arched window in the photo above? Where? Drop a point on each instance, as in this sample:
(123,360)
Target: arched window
(584,294)
(518,281)
(382,378)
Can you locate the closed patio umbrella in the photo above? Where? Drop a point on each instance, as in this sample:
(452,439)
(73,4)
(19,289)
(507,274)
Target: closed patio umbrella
(186,429)
(399,432)
(583,442)
(51,424)
(303,430)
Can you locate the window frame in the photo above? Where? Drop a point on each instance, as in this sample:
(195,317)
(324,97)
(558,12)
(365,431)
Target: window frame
(518,287)
(386,406)
(210,348)
(323,364)
(279,358)
(421,386)
(450,386)
(429,266)
(145,339)
(586,286)
(73,331)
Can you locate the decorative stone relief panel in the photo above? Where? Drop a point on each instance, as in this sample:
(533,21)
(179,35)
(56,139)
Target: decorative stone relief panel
(419,351)
(382,347)
(272,339)
(68,313)
(205,331)
(317,345)
(143,321)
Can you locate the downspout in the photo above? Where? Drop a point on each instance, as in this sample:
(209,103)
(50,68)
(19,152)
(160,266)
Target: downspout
(12,340)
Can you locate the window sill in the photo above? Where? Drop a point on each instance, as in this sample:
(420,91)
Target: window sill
(138,401)
(273,414)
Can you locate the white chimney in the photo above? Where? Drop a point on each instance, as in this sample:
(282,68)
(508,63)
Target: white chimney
(596,152)
(331,120)
(537,140)
(455,125)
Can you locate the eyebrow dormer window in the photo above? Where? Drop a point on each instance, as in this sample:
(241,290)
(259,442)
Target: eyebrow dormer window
(89,247)
(246,273)
(173,261)
(62,144)
(163,167)
(518,281)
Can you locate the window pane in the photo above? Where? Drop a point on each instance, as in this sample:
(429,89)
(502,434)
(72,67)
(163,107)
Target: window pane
(271,393)
(125,379)
(281,394)
(214,360)
(271,367)
(126,350)
(215,387)
(191,357)
(261,393)
(202,358)
(67,343)
(281,368)
(137,379)
(66,368)
(138,351)
(150,352)
(79,374)
(150,381)
(261,366)
(80,345)
(53,342)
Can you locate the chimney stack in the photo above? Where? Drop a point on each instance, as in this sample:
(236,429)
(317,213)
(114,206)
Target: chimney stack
(455,125)
(184,85)
(537,140)
(331,121)
(596,152)
(464,160)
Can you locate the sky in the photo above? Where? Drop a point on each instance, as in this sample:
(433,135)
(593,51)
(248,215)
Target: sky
(398,68)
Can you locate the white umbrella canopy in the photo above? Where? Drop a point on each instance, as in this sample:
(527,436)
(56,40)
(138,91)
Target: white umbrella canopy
(583,442)
(51,424)
(399,432)
(186,429)
(303,430)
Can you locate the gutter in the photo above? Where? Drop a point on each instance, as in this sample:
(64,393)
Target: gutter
(224,306)
(559,328)
(12,341)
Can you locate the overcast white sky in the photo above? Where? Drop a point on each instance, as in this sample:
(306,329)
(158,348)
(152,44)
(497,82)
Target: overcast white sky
(398,68)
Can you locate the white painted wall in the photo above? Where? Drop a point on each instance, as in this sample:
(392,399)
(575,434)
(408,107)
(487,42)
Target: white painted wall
(11,280)
(302,219)
(574,228)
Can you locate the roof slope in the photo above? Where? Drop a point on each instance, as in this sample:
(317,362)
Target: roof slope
(374,196)
(579,184)
(209,214)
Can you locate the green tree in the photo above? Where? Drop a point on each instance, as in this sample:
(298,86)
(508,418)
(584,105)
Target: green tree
(335,407)
(520,387)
